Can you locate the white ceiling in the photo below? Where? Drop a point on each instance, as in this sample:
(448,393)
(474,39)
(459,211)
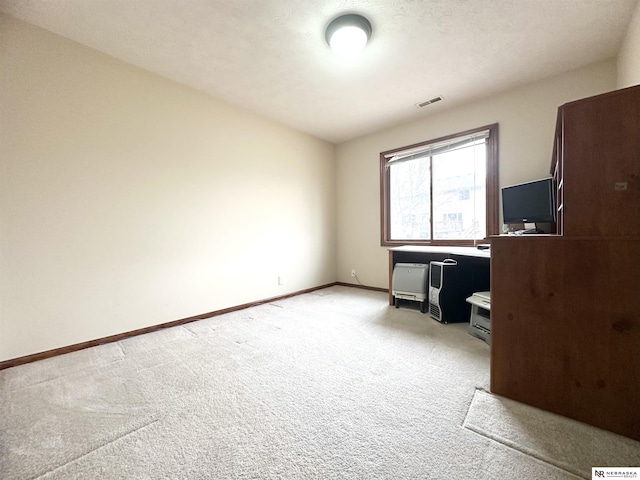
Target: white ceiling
(270,56)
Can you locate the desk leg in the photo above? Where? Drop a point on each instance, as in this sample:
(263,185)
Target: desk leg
(390,277)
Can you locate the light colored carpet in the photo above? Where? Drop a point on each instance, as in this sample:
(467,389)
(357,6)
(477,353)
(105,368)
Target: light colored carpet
(558,440)
(334,384)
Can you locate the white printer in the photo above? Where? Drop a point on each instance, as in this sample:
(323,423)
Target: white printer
(479,325)
(410,282)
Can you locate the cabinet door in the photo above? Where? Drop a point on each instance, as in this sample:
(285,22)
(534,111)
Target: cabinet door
(601,168)
(565,327)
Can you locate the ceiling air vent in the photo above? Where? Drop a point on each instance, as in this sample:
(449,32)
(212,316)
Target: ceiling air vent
(429,102)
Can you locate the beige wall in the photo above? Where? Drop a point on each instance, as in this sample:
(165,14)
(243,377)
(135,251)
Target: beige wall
(527,117)
(629,56)
(128,200)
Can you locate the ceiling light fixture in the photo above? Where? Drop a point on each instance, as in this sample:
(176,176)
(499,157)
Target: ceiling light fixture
(348,34)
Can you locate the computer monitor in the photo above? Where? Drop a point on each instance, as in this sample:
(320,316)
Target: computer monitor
(530,202)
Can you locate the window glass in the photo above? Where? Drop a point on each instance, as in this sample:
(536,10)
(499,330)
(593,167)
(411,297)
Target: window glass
(459,194)
(442,191)
(410,198)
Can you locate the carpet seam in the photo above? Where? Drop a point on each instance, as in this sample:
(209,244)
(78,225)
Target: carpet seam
(513,446)
(466,415)
(39,383)
(119,437)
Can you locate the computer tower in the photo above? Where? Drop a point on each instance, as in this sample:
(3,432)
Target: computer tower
(449,286)
(410,282)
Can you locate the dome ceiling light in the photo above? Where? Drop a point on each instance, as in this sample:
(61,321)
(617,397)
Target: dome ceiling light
(348,34)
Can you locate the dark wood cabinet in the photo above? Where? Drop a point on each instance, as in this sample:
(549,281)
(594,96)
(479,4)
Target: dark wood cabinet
(565,308)
(596,164)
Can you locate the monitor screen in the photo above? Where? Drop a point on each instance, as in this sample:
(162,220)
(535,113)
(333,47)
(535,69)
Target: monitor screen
(531,202)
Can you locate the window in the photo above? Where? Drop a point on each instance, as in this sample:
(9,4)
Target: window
(441,192)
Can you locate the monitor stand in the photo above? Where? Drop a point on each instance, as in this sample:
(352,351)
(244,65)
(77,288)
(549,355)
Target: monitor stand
(531,228)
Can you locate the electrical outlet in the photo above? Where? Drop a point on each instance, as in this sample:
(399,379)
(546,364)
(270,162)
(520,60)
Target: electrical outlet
(280,280)
(353,273)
